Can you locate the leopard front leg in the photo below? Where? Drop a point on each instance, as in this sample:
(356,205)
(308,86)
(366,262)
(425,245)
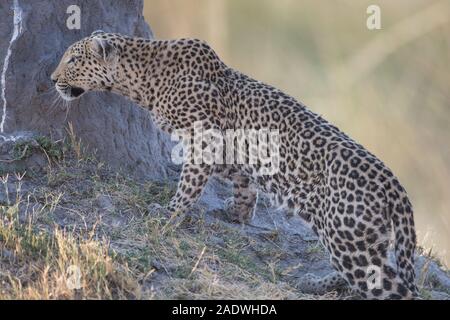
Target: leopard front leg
(242,204)
(192,181)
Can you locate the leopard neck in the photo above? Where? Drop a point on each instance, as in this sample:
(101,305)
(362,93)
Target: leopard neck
(137,70)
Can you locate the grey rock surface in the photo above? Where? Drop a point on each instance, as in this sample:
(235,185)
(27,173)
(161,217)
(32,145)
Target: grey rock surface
(34,36)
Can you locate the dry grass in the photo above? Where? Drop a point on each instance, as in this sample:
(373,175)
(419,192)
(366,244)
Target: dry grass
(41,265)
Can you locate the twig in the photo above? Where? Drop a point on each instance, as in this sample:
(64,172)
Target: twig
(198,261)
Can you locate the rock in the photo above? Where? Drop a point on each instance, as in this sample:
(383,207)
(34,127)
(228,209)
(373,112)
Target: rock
(35,36)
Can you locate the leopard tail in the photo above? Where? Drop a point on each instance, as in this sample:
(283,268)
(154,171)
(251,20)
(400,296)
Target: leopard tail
(405,239)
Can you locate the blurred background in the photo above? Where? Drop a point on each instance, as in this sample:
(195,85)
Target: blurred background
(388,88)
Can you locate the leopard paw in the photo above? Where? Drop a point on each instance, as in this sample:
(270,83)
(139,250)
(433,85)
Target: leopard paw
(312,284)
(236,214)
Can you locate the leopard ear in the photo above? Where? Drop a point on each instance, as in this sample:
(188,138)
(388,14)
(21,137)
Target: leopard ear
(103,49)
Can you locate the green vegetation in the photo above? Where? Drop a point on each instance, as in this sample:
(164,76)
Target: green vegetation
(23,150)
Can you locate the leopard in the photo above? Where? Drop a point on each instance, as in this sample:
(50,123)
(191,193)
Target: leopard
(350,199)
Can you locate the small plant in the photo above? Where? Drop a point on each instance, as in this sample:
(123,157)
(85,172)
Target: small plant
(53,150)
(24,149)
